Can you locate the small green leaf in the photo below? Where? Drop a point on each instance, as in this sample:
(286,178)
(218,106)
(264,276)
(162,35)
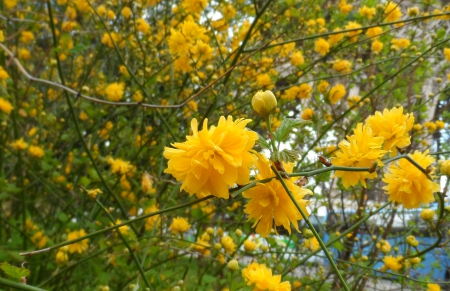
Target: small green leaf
(77,49)
(13,271)
(262,142)
(62,217)
(286,127)
(288,156)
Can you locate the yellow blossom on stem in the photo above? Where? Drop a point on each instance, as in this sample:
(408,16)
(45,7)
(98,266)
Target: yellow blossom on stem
(179,225)
(307,114)
(269,203)
(321,46)
(35,151)
(342,66)
(409,186)
(261,277)
(392,263)
(337,92)
(433,287)
(114,91)
(392,12)
(19,144)
(361,149)
(249,245)
(228,244)
(211,160)
(94,192)
(119,166)
(80,246)
(377,46)
(5,106)
(153,221)
(394,126)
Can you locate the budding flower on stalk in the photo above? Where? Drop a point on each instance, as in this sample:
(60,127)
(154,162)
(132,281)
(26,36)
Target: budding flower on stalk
(264,103)
(427,214)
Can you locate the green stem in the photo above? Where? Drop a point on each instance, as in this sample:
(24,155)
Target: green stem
(272,140)
(57,246)
(18,286)
(305,218)
(130,249)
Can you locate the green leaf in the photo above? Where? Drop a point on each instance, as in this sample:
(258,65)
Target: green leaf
(63,217)
(77,49)
(288,156)
(286,127)
(262,142)
(13,271)
(209,279)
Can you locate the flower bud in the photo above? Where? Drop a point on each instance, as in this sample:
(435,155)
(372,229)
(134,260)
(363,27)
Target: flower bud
(264,103)
(411,240)
(415,260)
(308,233)
(238,232)
(233,265)
(427,214)
(444,167)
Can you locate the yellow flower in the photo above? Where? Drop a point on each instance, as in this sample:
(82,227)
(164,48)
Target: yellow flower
(212,160)
(261,277)
(36,151)
(430,126)
(359,150)
(440,124)
(269,203)
(228,244)
(374,32)
(392,12)
(153,221)
(407,185)
(413,11)
(307,114)
(342,66)
(377,46)
(264,103)
(399,43)
(263,80)
(26,37)
(94,192)
(433,287)
(194,6)
(335,38)
(368,12)
(323,86)
(353,35)
(19,144)
(337,93)
(179,225)
(126,12)
(80,246)
(114,91)
(10,4)
(61,257)
(120,166)
(444,167)
(427,214)
(297,58)
(392,263)
(202,246)
(39,239)
(5,106)
(249,246)
(142,25)
(321,46)
(394,126)
(312,243)
(447,54)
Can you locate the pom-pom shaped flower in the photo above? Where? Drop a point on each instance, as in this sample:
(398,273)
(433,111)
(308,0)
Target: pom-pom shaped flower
(392,263)
(262,278)
(359,150)
(407,185)
(393,125)
(213,159)
(270,205)
(179,225)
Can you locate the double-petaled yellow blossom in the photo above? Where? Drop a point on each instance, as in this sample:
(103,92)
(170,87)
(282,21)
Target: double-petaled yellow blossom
(114,91)
(337,92)
(269,204)
(392,263)
(321,46)
(211,160)
(392,12)
(5,106)
(342,66)
(297,58)
(179,225)
(261,277)
(361,149)
(394,126)
(80,246)
(408,185)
